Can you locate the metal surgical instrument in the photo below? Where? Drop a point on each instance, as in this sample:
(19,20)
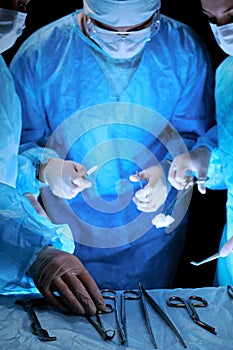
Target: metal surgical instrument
(119,304)
(230,291)
(105,334)
(36,327)
(160,311)
(182,193)
(212,257)
(139,179)
(91,170)
(190,303)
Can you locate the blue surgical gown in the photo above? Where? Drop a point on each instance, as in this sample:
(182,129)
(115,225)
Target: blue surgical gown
(95,109)
(22,231)
(224,112)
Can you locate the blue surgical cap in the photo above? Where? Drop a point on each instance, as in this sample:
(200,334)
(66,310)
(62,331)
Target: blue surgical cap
(118,13)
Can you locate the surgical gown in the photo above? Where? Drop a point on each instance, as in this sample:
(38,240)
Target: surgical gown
(22,231)
(224,112)
(109,112)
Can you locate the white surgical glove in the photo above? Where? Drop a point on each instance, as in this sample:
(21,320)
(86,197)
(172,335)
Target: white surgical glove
(153,195)
(65,178)
(195,161)
(227,248)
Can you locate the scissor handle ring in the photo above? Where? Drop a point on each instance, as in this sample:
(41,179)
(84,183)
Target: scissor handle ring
(109,293)
(109,308)
(130,294)
(175,301)
(230,291)
(202,302)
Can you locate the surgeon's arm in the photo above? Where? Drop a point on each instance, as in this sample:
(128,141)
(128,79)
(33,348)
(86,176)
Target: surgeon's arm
(36,205)
(23,233)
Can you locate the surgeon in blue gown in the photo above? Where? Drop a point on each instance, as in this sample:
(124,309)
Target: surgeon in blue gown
(122,87)
(32,249)
(215,161)
(23,231)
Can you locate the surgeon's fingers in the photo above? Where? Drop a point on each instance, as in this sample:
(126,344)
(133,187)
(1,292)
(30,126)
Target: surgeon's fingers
(201,186)
(61,303)
(86,291)
(143,195)
(175,180)
(147,202)
(79,169)
(201,182)
(81,183)
(134,178)
(92,289)
(139,176)
(73,295)
(78,296)
(227,248)
(148,207)
(180,181)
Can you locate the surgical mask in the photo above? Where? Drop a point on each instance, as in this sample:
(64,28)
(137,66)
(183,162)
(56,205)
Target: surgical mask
(224,36)
(12,24)
(122,44)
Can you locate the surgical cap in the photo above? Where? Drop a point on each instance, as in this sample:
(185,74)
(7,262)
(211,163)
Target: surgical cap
(119,13)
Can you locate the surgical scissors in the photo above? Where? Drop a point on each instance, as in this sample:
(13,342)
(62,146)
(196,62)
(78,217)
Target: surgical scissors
(230,291)
(190,303)
(119,299)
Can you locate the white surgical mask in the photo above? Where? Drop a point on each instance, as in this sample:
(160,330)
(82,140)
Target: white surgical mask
(224,36)
(121,44)
(11,27)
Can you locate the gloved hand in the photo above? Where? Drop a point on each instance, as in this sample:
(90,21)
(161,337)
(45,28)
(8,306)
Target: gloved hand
(65,178)
(58,271)
(227,248)
(196,161)
(153,195)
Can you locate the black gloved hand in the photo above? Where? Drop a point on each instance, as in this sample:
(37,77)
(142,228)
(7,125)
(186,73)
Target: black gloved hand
(58,271)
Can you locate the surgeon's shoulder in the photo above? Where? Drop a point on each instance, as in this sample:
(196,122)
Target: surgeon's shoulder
(226,66)
(47,36)
(4,71)
(224,80)
(181,34)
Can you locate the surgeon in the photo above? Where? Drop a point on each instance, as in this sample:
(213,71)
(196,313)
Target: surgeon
(33,251)
(215,162)
(117,85)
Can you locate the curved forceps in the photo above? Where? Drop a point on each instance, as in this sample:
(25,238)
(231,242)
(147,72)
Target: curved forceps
(106,334)
(119,304)
(190,303)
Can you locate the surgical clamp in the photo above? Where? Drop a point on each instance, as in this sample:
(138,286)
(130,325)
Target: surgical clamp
(36,327)
(105,334)
(160,311)
(119,304)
